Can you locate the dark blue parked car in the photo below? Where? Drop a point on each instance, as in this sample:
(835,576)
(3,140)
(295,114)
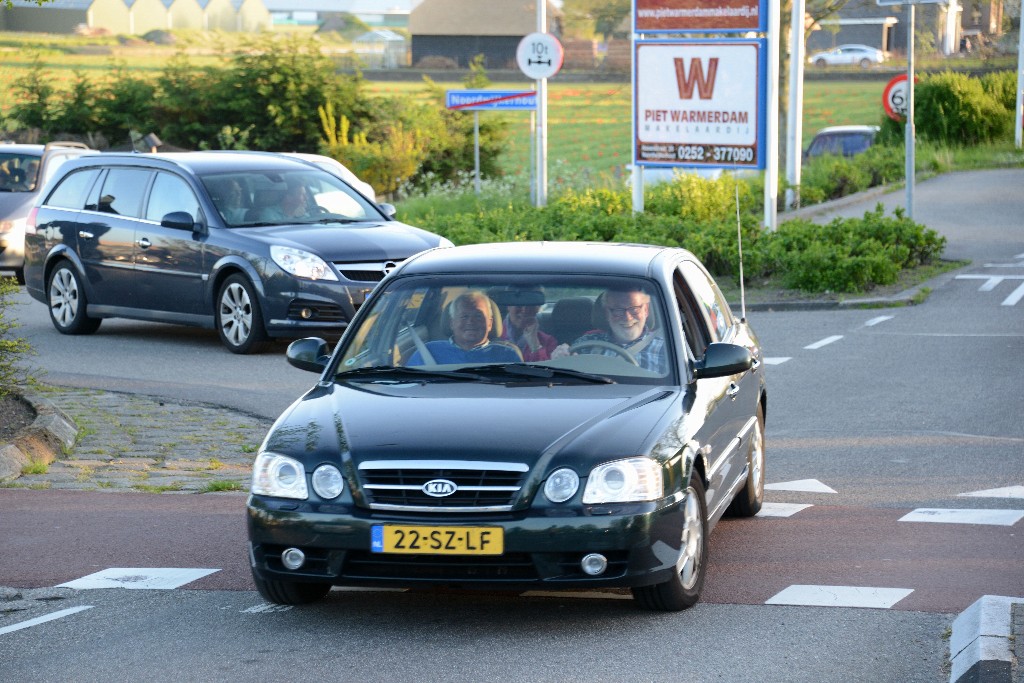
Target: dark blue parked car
(253,244)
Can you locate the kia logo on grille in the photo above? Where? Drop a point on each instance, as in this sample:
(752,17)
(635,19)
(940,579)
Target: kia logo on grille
(439,488)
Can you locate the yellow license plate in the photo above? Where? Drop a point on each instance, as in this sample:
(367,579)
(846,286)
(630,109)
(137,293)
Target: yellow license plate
(437,540)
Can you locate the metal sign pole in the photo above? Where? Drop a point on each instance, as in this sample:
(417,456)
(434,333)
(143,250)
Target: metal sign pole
(1018,116)
(771,178)
(909,132)
(795,115)
(542,117)
(476,151)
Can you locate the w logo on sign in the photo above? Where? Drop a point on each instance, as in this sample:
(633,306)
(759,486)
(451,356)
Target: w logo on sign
(696,77)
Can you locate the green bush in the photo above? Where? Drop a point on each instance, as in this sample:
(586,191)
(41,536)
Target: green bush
(954,108)
(1002,85)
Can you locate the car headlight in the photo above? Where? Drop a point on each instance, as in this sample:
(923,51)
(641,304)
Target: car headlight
(624,481)
(328,482)
(279,476)
(301,263)
(561,485)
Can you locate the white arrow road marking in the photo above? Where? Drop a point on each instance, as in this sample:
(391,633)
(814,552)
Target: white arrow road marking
(780,509)
(1016,296)
(942,516)
(824,342)
(804,485)
(1008,492)
(43,619)
(139,579)
(879,319)
(993,281)
(840,596)
(776,361)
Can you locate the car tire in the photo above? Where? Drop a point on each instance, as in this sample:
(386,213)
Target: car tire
(19,275)
(239,319)
(66,301)
(683,589)
(865,63)
(290,592)
(820,63)
(749,499)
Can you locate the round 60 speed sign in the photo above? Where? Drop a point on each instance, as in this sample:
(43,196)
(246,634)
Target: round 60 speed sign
(539,55)
(894,98)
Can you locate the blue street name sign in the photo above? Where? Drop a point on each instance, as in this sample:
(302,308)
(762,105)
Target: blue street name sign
(488,100)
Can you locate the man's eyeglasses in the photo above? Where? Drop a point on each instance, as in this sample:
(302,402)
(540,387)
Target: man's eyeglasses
(633,311)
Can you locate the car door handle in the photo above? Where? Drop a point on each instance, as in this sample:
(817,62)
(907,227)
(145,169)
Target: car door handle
(733,390)
(85,235)
(755,365)
(144,243)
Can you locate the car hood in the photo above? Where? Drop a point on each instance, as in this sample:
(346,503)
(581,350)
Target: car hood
(353,242)
(576,424)
(15,204)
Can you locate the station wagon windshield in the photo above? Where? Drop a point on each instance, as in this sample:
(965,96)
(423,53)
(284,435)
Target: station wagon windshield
(256,198)
(564,328)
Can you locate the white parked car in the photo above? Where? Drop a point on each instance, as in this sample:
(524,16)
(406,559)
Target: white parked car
(863,56)
(337,168)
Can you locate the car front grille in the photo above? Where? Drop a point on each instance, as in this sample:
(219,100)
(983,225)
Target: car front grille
(366,272)
(508,567)
(479,486)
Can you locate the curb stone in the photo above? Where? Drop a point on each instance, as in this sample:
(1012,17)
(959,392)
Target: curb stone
(982,642)
(51,433)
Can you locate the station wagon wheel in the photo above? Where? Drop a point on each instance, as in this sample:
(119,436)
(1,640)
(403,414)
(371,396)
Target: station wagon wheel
(749,499)
(239,320)
(65,297)
(290,592)
(821,62)
(598,344)
(865,63)
(682,590)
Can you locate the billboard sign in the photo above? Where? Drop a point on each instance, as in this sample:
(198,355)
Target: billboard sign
(700,16)
(700,103)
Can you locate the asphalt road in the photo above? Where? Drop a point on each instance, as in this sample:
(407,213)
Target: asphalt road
(879,423)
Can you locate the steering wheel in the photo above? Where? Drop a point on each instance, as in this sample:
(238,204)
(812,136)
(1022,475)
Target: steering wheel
(598,344)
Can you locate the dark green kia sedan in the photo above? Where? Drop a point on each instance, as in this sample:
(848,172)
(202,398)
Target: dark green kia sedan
(517,416)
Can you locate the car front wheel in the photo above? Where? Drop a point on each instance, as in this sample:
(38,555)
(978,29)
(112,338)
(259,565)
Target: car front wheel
(820,63)
(290,592)
(67,302)
(239,321)
(682,590)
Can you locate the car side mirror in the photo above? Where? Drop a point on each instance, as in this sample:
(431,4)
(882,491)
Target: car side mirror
(722,360)
(388,209)
(179,220)
(310,354)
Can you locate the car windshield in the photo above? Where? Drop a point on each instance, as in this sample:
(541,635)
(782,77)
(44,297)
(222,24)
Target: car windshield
(522,329)
(18,172)
(256,198)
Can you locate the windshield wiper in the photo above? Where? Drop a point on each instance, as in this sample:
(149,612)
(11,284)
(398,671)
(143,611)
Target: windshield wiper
(338,220)
(391,373)
(530,371)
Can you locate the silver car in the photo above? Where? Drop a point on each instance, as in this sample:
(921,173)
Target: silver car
(863,56)
(24,170)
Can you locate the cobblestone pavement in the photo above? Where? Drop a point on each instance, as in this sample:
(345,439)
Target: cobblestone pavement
(137,443)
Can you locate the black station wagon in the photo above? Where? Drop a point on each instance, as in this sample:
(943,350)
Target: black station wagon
(517,416)
(253,244)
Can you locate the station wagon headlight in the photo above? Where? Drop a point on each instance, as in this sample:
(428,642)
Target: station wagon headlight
(301,263)
(328,482)
(561,485)
(279,476)
(624,481)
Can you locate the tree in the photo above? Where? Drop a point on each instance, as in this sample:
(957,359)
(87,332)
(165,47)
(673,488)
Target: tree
(587,18)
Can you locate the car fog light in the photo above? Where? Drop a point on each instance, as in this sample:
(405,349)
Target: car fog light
(594,564)
(293,558)
(561,485)
(306,313)
(328,482)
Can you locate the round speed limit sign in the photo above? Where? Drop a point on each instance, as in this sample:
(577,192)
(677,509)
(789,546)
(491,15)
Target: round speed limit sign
(894,98)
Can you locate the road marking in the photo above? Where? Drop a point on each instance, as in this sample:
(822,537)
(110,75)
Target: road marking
(776,361)
(803,485)
(139,579)
(993,281)
(824,342)
(265,608)
(780,509)
(1016,296)
(1008,492)
(942,516)
(879,319)
(840,596)
(43,619)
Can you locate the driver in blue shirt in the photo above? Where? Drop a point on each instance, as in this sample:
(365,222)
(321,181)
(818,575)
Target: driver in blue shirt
(472,321)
